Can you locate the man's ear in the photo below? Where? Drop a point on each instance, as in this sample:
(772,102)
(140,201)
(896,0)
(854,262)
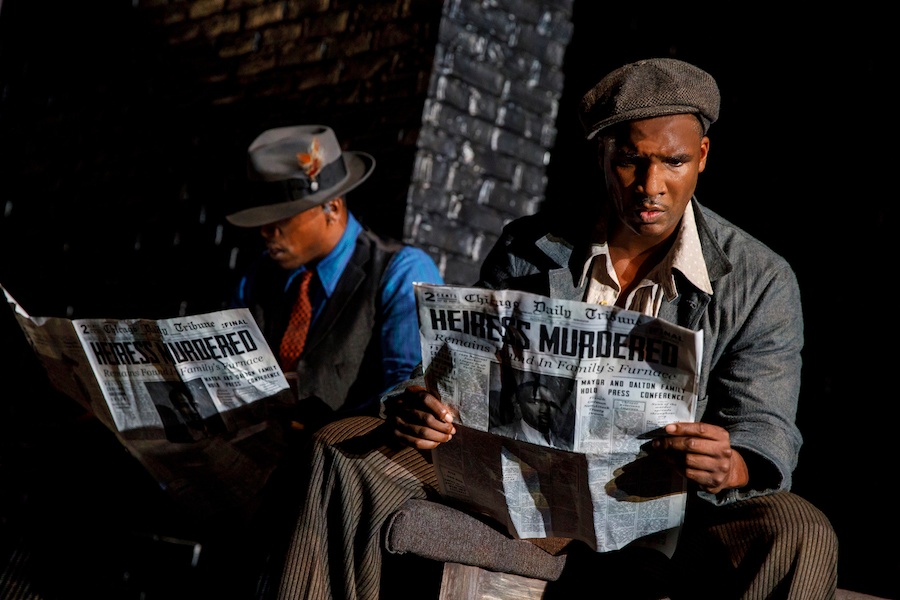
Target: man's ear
(704,153)
(333,209)
(334,205)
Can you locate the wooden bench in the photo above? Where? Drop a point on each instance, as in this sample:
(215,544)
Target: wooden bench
(481,562)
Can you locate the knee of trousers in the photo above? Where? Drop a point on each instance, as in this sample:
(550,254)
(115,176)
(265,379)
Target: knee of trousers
(793,520)
(344,429)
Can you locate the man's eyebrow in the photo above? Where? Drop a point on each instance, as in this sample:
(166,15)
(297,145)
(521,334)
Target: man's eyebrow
(630,154)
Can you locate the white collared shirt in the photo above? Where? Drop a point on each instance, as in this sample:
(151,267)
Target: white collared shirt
(685,255)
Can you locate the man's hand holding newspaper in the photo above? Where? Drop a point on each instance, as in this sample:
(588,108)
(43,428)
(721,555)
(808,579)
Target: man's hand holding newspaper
(554,403)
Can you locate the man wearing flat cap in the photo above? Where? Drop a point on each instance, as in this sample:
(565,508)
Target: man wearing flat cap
(645,244)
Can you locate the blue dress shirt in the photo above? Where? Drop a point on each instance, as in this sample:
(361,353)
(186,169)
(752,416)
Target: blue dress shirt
(401,348)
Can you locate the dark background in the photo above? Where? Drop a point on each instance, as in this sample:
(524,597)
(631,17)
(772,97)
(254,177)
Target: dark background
(122,142)
(799,158)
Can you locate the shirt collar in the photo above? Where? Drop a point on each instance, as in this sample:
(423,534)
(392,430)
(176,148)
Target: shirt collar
(331,267)
(686,255)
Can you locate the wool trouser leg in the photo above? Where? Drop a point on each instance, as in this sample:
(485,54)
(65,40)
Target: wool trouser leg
(775,547)
(356,481)
(766,548)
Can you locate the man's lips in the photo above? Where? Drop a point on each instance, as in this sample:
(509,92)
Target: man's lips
(648,214)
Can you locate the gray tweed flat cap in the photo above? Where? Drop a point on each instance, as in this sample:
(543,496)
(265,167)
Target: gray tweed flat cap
(649,88)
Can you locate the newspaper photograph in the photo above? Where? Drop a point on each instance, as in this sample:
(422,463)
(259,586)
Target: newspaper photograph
(555,402)
(183,395)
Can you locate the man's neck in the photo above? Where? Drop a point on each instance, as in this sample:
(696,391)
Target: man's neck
(633,256)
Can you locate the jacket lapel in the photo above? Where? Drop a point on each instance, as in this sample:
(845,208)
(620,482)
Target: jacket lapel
(563,282)
(688,307)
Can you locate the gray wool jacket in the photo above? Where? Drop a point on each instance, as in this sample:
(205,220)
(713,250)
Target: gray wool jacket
(752,330)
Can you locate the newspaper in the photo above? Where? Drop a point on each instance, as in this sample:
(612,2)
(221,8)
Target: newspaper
(183,395)
(555,402)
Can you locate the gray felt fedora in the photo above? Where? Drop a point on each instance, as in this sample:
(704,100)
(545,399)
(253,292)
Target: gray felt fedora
(297,168)
(649,88)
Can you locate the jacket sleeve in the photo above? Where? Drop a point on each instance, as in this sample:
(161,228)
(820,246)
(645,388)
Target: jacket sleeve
(754,380)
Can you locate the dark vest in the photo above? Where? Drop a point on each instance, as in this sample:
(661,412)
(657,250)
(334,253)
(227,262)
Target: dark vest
(340,372)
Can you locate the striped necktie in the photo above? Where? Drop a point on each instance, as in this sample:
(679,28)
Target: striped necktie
(294,338)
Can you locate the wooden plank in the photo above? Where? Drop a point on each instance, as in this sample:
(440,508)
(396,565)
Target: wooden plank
(464,582)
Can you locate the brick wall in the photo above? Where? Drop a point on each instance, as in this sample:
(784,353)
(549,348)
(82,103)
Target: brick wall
(488,125)
(123,132)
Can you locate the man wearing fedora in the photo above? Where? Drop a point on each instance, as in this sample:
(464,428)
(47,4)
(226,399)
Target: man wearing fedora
(360,336)
(335,302)
(642,242)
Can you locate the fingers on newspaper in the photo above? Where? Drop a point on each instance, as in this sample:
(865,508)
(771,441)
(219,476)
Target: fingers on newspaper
(555,400)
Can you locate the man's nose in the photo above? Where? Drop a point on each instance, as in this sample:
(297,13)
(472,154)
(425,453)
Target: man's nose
(268,231)
(652,181)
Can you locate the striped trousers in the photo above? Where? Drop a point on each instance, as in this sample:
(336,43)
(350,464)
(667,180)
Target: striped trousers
(770,547)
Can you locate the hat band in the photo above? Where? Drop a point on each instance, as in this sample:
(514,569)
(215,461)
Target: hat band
(331,175)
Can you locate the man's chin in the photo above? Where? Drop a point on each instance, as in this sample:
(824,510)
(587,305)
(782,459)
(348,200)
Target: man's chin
(654,229)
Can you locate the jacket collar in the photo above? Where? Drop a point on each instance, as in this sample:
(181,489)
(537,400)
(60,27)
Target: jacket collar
(566,281)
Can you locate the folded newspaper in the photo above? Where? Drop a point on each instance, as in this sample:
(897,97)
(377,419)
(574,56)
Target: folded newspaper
(555,402)
(183,395)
